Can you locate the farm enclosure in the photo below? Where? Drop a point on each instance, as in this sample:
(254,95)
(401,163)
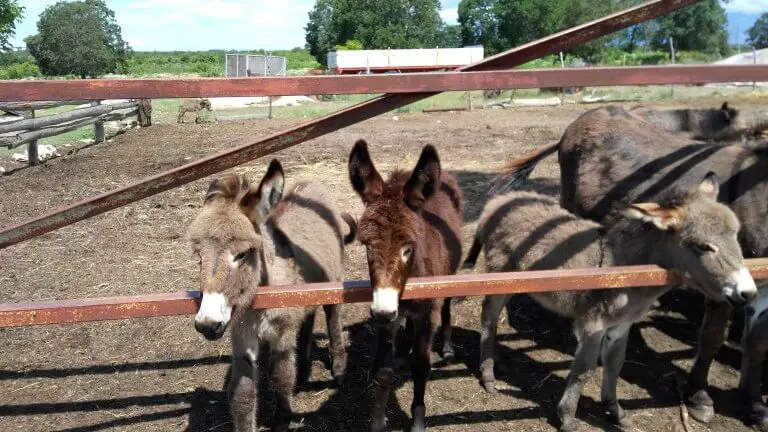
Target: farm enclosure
(159,375)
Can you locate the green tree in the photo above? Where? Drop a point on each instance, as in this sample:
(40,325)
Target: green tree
(10,13)
(757,35)
(377,24)
(318,34)
(699,27)
(449,37)
(80,38)
(479,25)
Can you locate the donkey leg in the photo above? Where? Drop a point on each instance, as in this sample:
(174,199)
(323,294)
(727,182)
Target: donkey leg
(711,338)
(243,388)
(336,342)
(584,361)
(613,353)
(403,342)
(489,318)
(425,328)
(283,374)
(754,341)
(446,330)
(384,363)
(304,348)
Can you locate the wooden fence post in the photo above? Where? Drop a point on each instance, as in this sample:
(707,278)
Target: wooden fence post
(98,127)
(32,157)
(145,112)
(672,50)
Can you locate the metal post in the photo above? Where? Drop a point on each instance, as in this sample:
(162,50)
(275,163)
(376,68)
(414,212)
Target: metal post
(32,157)
(672,50)
(754,61)
(98,127)
(562,89)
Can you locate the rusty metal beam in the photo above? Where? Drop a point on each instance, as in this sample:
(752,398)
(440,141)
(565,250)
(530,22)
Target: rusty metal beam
(374,84)
(185,303)
(330,123)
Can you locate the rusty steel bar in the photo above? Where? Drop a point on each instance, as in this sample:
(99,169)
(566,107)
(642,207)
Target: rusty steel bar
(313,129)
(185,303)
(373,84)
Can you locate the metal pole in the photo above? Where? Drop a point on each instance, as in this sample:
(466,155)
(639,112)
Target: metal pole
(672,50)
(32,157)
(754,61)
(562,89)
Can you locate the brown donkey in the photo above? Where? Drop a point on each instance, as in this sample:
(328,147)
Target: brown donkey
(246,237)
(411,226)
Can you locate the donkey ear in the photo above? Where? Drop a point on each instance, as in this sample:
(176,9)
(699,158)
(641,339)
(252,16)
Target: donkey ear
(710,186)
(424,180)
(257,203)
(365,180)
(663,218)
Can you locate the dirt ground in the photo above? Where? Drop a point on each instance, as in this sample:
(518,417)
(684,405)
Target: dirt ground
(160,375)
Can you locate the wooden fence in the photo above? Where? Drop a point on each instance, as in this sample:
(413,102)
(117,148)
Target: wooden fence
(30,127)
(410,88)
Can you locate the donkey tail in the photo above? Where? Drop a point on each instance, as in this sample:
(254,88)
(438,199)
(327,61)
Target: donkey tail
(352,224)
(474,251)
(518,169)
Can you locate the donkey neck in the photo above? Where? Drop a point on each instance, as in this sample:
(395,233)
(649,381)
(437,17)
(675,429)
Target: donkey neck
(633,243)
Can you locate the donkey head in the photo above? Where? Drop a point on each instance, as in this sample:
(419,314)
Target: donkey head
(699,241)
(226,239)
(390,225)
(205,103)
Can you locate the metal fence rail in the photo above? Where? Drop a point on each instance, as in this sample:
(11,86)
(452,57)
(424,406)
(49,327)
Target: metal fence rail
(184,303)
(260,147)
(373,84)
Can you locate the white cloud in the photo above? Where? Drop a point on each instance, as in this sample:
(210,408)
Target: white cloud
(450,15)
(747,6)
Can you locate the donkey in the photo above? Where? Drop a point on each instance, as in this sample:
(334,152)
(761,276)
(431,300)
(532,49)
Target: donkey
(610,157)
(193,105)
(686,231)
(700,124)
(246,237)
(411,226)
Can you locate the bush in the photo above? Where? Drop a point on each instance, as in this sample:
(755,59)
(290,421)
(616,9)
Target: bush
(19,71)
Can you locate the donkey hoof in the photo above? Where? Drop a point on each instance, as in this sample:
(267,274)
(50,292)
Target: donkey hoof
(448,355)
(615,413)
(419,413)
(490,386)
(701,407)
(568,426)
(379,424)
(758,416)
(338,379)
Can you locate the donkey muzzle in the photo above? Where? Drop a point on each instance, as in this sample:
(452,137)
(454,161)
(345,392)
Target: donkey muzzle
(740,288)
(213,316)
(385,304)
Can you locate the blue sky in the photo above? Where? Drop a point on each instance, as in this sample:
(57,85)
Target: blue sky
(251,24)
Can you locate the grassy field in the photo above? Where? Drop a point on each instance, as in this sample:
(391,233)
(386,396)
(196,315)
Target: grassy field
(165,110)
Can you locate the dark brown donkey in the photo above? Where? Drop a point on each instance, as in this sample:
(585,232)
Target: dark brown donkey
(411,226)
(610,157)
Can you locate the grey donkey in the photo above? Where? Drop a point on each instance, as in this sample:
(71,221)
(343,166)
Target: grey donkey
(686,231)
(193,105)
(246,237)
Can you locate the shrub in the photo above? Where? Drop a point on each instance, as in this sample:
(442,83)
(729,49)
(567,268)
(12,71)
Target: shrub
(19,71)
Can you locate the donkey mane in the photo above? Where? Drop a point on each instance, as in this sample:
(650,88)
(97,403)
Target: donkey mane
(229,187)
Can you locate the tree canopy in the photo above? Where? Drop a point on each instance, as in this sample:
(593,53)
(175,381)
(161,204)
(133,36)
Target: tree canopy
(10,13)
(757,35)
(502,24)
(377,24)
(79,38)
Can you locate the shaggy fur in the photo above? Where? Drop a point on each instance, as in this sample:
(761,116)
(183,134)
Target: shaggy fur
(610,157)
(247,237)
(411,226)
(527,231)
(193,105)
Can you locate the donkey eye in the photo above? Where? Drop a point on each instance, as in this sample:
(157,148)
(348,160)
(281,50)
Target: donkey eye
(703,248)
(407,251)
(242,255)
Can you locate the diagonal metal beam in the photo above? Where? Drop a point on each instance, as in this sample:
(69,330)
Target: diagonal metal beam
(375,84)
(185,303)
(313,129)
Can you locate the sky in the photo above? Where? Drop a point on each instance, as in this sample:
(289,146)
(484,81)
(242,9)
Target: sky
(165,25)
